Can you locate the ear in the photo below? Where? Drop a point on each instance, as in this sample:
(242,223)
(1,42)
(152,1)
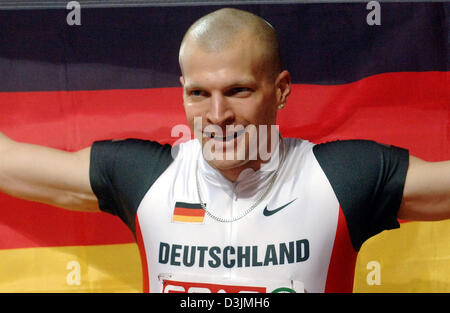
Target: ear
(182,85)
(283,85)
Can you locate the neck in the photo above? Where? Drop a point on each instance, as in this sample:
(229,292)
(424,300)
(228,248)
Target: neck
(232,174)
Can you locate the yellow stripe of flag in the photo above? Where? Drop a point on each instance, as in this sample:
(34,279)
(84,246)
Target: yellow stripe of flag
(189,219)
(414,258)
(100,268)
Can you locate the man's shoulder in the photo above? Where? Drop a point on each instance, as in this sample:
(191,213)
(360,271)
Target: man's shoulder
(297,146)
(186,149)
(355,149)
(298,142)
(130,155)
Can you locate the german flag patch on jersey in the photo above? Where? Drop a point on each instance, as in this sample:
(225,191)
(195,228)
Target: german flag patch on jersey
(188,213)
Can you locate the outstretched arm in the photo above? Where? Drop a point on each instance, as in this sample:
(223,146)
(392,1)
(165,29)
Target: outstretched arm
(426,195)
(46,175)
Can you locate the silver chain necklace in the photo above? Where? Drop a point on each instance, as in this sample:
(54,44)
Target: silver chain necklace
(257,202)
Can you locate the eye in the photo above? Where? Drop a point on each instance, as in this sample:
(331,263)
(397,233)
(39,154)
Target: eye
(239,91)
(196,93)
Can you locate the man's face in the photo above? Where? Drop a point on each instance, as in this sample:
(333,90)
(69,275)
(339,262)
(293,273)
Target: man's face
(223,90)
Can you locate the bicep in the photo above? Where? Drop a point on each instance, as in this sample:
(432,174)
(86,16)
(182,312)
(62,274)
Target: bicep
(426,194)
(48,175)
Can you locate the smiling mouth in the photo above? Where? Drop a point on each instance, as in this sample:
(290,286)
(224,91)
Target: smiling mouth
(232,136)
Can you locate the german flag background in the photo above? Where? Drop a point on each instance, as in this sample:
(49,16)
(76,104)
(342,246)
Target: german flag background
(116,76)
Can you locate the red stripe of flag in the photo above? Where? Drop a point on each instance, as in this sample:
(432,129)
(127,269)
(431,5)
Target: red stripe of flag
(189,212)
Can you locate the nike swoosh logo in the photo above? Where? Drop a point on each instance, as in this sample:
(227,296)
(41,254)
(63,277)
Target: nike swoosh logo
(266,212)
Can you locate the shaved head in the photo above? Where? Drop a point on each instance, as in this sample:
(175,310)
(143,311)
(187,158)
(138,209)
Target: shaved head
(231,76)
(226,28)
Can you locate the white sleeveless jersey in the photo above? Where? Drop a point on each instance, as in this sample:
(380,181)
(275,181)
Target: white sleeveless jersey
(304,235)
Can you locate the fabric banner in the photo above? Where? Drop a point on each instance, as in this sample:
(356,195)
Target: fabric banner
(115,76)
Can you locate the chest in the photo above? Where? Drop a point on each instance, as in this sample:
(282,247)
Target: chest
(288,235)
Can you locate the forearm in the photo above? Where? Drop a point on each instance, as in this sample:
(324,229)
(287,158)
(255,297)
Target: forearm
(46,175)
(24,170)
(6,144)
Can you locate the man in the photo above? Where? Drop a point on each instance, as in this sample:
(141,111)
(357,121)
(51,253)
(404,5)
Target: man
(238,208)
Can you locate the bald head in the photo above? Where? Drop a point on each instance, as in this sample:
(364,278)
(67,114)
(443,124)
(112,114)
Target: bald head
(225,28)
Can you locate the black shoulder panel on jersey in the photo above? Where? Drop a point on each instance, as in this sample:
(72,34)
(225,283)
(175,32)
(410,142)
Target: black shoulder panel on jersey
(121,173)
(368,180)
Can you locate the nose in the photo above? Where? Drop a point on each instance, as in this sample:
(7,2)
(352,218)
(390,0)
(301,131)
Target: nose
(220,112)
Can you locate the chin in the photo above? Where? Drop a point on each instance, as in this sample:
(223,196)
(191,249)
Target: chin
(223,165)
